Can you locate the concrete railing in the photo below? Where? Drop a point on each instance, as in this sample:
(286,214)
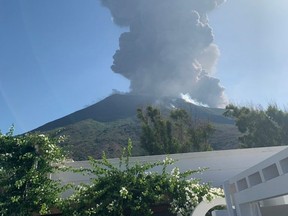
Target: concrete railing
(205,206)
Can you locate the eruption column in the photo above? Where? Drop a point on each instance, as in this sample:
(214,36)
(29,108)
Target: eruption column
(169,48)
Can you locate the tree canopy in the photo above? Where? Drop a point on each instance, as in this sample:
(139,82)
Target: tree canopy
(172,134)
(260,127)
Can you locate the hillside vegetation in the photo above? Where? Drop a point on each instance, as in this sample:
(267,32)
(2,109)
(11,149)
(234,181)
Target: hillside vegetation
(108,124)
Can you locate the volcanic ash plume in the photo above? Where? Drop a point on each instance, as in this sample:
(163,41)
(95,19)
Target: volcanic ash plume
(169,49)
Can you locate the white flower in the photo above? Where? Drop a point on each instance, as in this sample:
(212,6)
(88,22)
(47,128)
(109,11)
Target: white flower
(217,191)
(175,172)
(147,173)
(123,192)
(110,207)
(168,160)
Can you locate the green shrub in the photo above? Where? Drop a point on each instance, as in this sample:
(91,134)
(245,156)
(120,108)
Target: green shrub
(133,189)
(25,165)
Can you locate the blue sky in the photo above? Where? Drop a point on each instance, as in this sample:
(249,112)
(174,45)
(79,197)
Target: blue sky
(55,56)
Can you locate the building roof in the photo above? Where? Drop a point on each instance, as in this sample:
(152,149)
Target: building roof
(221,165)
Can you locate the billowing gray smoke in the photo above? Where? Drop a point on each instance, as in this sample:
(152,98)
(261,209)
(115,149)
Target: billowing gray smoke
(169,49)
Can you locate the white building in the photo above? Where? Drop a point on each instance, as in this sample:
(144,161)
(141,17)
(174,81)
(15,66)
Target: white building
(255,180)
(261,190)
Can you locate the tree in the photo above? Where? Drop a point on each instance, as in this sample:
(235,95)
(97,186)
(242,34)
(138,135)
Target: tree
(260,127)
(156,135)
(192,136)
(25,165)
(173,134)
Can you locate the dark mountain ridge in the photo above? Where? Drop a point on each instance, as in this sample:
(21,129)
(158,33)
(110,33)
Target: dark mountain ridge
(107,125)
(119,106)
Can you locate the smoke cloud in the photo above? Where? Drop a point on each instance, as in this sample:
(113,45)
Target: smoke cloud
(169,48)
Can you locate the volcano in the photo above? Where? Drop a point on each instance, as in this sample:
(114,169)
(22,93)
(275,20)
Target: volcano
(107,125)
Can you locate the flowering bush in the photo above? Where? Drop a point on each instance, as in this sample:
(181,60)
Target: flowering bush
(135,190)
(25,165)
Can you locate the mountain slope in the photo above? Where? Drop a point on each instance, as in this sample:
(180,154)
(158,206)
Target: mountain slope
(107,125)
(117,107)
(112,108)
